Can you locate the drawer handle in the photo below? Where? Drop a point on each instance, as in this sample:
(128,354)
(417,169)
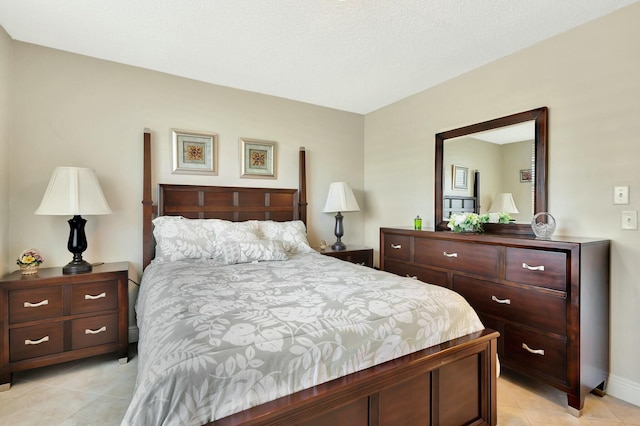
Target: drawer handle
(413,277)
(36,305)
(36,342)
(533,268)
(396,246)
(100,330)
(503,301)
(533,351)
(90,297)
(449,254)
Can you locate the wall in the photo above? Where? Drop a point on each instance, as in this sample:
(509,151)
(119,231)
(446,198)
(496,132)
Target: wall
(5,119)
(71,110)
(588,77)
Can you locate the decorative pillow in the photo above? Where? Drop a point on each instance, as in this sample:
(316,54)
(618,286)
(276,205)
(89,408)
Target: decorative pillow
(293,234)
(226,231)
(180,238)
(233,252)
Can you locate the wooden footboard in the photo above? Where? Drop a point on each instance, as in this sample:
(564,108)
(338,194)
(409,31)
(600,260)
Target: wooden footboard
(453,383)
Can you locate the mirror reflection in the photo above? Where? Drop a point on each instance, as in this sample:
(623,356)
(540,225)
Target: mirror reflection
(496,167)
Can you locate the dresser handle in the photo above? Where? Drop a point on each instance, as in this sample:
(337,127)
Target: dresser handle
(503,301)
(36,342)
(100,330)
(533,351)
(36,305)
(414,277)
(90,297)
(450,254)
(396,246)
(533,268)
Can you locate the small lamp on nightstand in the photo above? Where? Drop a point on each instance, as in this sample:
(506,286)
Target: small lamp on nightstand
(74,191)
(340,199)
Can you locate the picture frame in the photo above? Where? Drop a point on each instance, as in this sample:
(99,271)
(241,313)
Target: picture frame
(460,177)
(194,152)
(526,175)
(258,158)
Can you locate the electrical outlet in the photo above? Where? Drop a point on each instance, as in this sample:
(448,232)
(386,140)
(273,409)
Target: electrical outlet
(629,220)
(621,195)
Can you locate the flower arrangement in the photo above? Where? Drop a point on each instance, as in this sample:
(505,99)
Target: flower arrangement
(30,257)
(472,222)
(465,222)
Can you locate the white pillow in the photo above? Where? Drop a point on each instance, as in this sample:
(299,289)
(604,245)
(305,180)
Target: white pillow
(232,252)
(226,231)
(293,234)
(180,238)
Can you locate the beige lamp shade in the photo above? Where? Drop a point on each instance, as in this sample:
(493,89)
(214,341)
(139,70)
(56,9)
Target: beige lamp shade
(340,199)
(73,191)
(503,203)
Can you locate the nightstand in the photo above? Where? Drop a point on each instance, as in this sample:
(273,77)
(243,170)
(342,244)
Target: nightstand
(353,254)
(49,318)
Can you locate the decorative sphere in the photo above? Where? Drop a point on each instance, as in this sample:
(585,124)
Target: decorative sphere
(543,225)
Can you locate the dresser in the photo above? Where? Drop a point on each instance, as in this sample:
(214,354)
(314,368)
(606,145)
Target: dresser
(548,299)
(50,318)
(353,254)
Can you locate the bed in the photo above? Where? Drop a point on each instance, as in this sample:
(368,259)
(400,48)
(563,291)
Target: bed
(319,375)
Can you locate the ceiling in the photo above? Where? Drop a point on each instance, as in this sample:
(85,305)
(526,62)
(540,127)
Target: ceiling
(352,55)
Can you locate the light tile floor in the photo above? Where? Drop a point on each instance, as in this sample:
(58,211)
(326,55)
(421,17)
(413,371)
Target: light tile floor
(97,391)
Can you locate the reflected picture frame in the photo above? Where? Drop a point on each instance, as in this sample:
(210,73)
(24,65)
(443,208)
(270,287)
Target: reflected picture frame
(194,152)
(526,175)
(460,177)
(258,158)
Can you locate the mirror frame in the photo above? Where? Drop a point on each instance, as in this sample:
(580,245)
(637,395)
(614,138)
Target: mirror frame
(540,116)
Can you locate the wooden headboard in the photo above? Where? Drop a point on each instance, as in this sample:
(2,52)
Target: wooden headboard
(218,202)
(453,204)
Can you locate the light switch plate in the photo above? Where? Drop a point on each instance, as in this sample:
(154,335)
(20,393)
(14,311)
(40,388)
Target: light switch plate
(629,220)
(621,195)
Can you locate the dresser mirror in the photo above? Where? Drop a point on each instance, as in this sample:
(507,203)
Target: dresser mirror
(477,164)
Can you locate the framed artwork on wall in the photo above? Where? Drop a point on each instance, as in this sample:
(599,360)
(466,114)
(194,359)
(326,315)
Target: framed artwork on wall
(258,158)
(526,175)
(194,152)
(460,177)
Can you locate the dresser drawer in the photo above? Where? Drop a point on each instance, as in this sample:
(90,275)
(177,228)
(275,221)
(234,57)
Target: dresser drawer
(535,351)
(426,275)
(94,331)
(514,304)
(32,342)
(35,304)
(479,259)
(396,247)
(94,297)
(537,267)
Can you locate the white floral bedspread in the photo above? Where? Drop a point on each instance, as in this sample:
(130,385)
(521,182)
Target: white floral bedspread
(218,340)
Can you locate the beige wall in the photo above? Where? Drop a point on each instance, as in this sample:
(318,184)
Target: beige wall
(71,110)
(5,113)
(589,79)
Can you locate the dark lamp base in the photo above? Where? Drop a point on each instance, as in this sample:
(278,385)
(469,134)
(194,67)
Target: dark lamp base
(338,245)
(74,267)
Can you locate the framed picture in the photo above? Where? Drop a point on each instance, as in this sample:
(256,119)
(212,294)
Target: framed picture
(195,152)
(460,177)
(258,158)
(526,175)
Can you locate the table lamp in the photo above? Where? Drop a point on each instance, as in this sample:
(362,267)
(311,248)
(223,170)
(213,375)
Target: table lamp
(74,191)
(340,199)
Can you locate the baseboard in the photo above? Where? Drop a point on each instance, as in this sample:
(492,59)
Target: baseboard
(133,334)
(624,389)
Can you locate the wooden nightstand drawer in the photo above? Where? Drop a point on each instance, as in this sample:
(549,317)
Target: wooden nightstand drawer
(537,267)
(515,304)
(39,340)
(474,258)
(35,304)
(94,331)
(94,297)
(353,254)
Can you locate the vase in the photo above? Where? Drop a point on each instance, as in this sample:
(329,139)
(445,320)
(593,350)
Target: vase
(543,225)
(29,269)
